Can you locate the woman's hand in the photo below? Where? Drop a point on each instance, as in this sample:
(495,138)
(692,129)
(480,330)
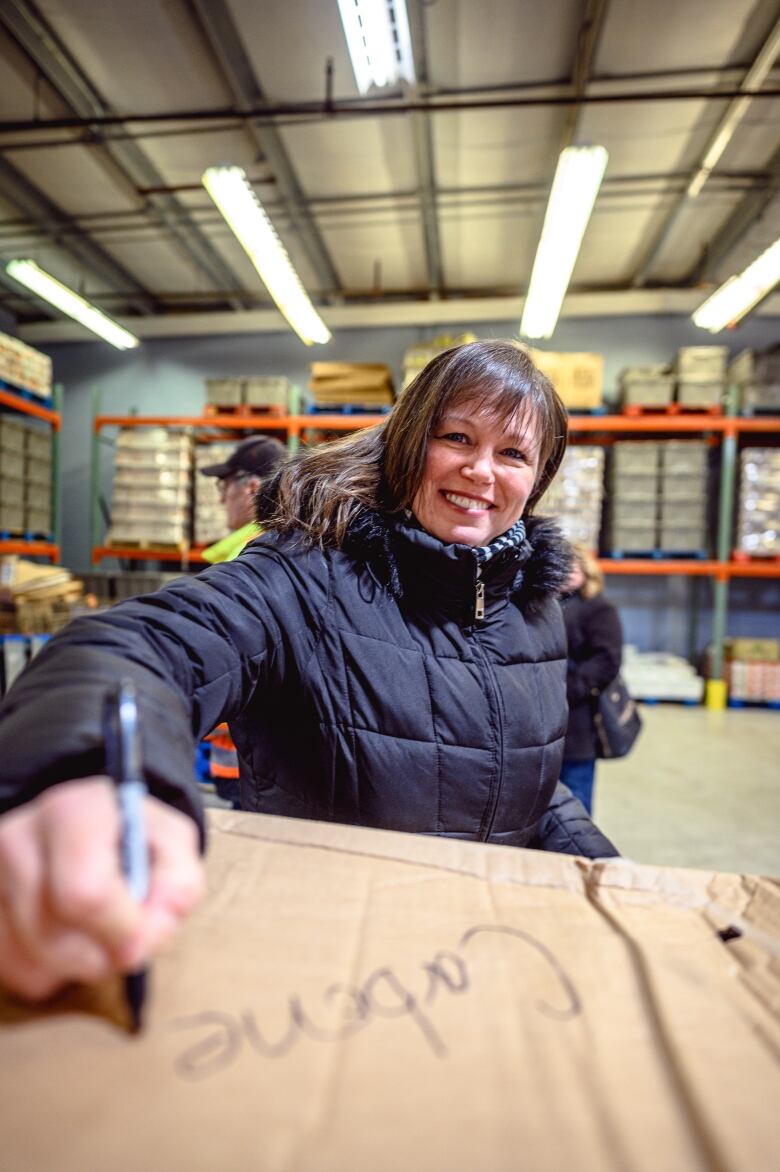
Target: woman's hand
(66,913)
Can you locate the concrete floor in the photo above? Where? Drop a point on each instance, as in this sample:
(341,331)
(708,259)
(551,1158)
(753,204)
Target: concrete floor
(700,789)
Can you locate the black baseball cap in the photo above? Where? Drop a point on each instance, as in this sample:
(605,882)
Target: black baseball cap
(258,456)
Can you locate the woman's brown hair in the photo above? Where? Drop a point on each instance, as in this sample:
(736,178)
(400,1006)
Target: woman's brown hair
(320,493)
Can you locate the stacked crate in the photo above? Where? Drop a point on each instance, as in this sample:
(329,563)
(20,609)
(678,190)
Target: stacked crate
(757,380)
(658,497)
(758,517)
(152,494)
(753,670)
(646,386)
(25,477)
(632,513)
(575,496)
(274,393)
(700,373)
(683,504)
(12,469)
(37,481)
(210,523)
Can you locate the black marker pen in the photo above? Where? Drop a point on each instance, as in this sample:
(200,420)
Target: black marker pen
(123,764)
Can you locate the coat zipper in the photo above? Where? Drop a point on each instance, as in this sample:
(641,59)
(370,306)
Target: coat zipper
(479,603)
(479,615)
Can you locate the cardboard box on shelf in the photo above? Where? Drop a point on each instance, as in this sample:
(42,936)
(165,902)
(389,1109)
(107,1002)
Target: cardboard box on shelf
(577,377)
(753,649)
(352,999)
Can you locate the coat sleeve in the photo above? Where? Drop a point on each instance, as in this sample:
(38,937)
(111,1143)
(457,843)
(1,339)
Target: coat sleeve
(599,661)
(196,651)
(566,827)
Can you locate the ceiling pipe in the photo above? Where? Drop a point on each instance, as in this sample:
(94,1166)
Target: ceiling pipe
(376,108)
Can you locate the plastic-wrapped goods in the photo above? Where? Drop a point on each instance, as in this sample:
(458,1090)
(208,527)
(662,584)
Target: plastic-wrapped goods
(210,522)
(758,520)
(24,367)
(658,675)
(575,496)
(756,682)
(151,499)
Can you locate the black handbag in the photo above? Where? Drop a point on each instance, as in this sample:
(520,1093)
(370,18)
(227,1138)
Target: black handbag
(616,720)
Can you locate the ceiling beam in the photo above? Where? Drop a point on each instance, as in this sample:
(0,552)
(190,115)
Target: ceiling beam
(591,28)
(225,43)
(716,143)
(747,212)
(129,164)
(422,144)
(57,227)
(457,312)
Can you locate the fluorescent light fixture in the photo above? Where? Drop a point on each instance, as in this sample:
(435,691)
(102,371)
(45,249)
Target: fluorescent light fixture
(379,42)
(232,193)
(28,273)
(737,296)
(736,110)
(575,187)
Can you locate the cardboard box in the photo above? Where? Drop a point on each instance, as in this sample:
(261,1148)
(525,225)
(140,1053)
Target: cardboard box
(350,999)
(753,650)
(578,378)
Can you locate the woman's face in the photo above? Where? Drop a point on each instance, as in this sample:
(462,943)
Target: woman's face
(576,579)
(477,476)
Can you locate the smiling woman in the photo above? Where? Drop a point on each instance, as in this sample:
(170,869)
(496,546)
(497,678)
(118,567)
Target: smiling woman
(389,653)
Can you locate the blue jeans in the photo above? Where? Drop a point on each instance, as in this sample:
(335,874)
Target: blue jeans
(578,776)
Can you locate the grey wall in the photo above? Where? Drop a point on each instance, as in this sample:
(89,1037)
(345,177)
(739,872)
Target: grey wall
(167,377)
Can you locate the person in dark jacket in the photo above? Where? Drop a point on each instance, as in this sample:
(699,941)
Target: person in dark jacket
(389,653)
(595,640)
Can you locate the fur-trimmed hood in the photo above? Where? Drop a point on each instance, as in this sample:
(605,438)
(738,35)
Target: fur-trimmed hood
(530,572)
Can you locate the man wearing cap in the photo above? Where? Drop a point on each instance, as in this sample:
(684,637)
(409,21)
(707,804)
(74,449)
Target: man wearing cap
(239,478)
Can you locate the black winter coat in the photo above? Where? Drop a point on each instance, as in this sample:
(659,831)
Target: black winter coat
(358,685)
(595,641)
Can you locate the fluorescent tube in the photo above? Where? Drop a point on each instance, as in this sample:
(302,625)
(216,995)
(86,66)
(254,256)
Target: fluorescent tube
(28,273)
(379,42)
(231,191)
(737,296)
(575,187)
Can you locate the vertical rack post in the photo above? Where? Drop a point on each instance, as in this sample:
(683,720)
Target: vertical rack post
(56,490)
(715,696)
(94,478)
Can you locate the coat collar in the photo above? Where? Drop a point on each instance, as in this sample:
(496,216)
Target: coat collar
(411,563)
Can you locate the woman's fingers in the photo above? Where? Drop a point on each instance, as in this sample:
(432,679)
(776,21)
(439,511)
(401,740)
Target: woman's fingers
(66,912)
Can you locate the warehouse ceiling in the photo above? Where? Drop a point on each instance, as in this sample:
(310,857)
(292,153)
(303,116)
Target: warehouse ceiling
(423,196)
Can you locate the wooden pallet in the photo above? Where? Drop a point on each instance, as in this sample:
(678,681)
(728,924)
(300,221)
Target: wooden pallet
(770,559)
(182,547)
(635,410)
(658,554)
(271,411)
